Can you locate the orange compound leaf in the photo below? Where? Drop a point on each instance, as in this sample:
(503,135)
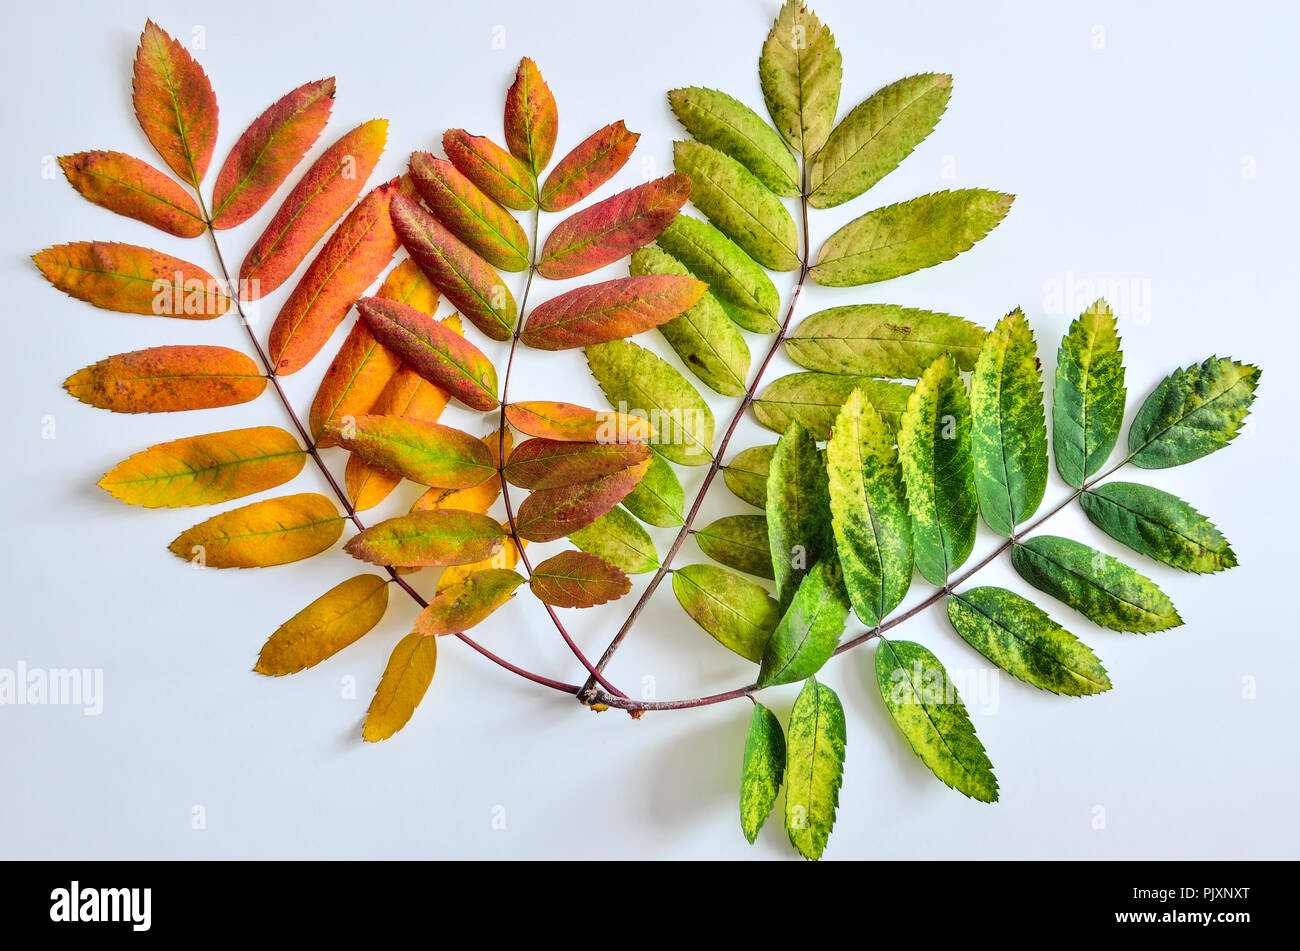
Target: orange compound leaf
(315,203)
(348,263)
(427,453)
(531,119)
(506,558)
(268,151)
(353,383)
(128,186)
(587,167)
(168,379)
(174,103)
(261,534)
(575,579)
(610,310)
(466,279)
(613,228)
(201,470)
(549,514)
(133,280)
(337,618)
(407,284)
(433,350)
(573,423)
(500,175)
(403,685)
(469,214)
(548,463)
(460,606)
(429,539)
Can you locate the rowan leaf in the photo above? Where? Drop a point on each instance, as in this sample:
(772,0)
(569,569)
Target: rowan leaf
(261,534)
(356,377)
(201,470)
(1159,525)
(1088,399)
(574,423)
(813,400)
(174,103)
(477,498)
(737,612)
(882,340)
(746,475)
(762,770)
(1101,588)
(591,163)
(800,71)
(619,539)
(430,539)
(809,631)
(658,498)
(1192,413)
(739,283)
(337,618)
(549,463)
(530,117)
(798,511)
(1020,638)
(407,284)
(814,767)
(269,150)
(424,452)
(731,127)
(548,514)
(876,136)
(610,310)
(925,705)
(575,579)
(905,237)
(740,542)
(133,188)
(500,175)
(483,225)
(503,560)
(403,685)
(462,605)
(133,280)
(168,379)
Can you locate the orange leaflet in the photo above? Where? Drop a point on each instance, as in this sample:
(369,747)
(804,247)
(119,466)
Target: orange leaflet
(610,310)
(477,498)
(613,228)
(261,534)
(468,281)
(427,453)
(133,280)
(575,579)
(167,379)
(348,263)
(174,103)
(549,514)
(458,607)
(429,539)
(469,214)
(268,151)
(323,628)
(358,375)
(500,175)
(531,119)
(431,349)
(408,284)
(574,423)
(402,687)
(315,203)
(587,167)
(128,186)
(547,463)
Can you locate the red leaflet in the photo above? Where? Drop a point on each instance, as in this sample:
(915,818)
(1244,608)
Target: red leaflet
(174,103)
(575,579)
(167,379)
(531,119)
(268,151)
(588,166)
(613,228)
(349,262)
(130,187)
(315,203)
(470,214)
(548,463)
(610,310)
(549,514)
(500,175)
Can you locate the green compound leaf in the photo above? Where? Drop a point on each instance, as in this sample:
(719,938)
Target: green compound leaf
(746,475)
(1192,413)
(1020,638)
(1088,400)
(925,705)
(740,542)
(876,136)
(1159,525)
(934,444)
(873,532)
(809,631)
(798,510)
(813,400)
(1101,588)
(882,340)
(800,70)
(764,766)
(658,498)
(739,205)
(730,126)
(619,539)
(739,613)
(906,237)
(814,768)
(1009,429)
(738,282)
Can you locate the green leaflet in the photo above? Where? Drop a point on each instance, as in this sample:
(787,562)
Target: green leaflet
(638,382)
(738,204)
(1088,399)
(1159,525)
(1020,638)
(814,399)
(882,340)
(799,70)
(809,631)
(730,126)
(760,776)
(925,705)
(739,613)
(738,282)
(738,541)
(873,532)
(746,475)
(906,237)
(1009,429)
(703,336)
(798,511)
(1101,588)
(935,450)
(1192,413)
(876,136)
(814,767)
(618,538)
(658,498)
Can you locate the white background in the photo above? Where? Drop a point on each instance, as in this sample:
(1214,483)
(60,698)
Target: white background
(1153,143)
